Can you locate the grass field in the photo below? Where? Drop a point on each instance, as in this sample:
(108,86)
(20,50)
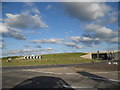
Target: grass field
(50,59)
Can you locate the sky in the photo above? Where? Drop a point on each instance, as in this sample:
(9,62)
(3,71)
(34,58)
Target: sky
(36,28)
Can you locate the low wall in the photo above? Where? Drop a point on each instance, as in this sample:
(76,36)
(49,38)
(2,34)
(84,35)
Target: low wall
(87,56)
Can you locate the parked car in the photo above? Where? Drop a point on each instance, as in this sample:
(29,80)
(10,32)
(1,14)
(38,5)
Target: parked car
(114,62)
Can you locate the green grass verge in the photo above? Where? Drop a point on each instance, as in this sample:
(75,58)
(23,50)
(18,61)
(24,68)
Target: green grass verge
(50,59)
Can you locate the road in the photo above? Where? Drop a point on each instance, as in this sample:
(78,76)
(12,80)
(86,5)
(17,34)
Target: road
(75,76)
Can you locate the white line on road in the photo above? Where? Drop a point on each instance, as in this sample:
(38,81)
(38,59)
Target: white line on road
(72,74)
(68,73)
(103,79)
(107,72)
(66,86)
(50,72)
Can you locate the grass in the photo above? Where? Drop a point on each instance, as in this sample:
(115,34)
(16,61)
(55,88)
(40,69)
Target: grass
(50,59)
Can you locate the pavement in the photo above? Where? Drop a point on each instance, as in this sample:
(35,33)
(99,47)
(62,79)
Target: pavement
(76,76)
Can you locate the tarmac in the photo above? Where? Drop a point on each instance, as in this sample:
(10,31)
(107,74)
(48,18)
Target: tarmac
(96,76)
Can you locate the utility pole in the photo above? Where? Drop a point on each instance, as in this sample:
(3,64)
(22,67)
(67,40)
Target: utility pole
(98,55)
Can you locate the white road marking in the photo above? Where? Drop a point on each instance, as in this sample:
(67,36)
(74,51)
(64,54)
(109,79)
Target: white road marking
(114,80)
(74,74)
(66,86)
(49,72)
(104,79)
(107,72)
(69,73)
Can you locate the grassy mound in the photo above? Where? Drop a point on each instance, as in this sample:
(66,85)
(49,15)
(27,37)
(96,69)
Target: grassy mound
(49,59)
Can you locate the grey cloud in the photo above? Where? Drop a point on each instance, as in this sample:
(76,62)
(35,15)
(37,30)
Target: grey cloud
(36,10)
(25,51)
(11,32)
(32,32)
(37,46)
(3,28)
(75,39)
(115,40)
(29,4)
(14,34)
(112,48)
(100,31)
(103,33)
(1,46)
(25,20)
(32,7)
(48,7)
(21,51)
(111,18)
(101,14)
(86,11)
(51,40)
(26,46)
(74,45)
(85,40)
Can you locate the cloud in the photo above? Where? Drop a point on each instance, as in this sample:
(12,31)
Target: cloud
(26,46)
(74,45)
(2,45)
(48,7)
(25,51)
(21,51)
(112,48)
(1,19)
(101,14)
(51,40)
(110,18)
(86,11)
(11,32)
(37,46)
(100,31)
(103,33)
(115,40)
(85,40)
(3,28)
(29,4)
(14,34)
(49,48)
(32,32)
(75,38)
(24,20)
(32,7)
(29,19)
(36,11)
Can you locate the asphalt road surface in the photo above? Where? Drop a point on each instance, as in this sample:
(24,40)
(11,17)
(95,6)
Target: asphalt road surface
(93,76)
